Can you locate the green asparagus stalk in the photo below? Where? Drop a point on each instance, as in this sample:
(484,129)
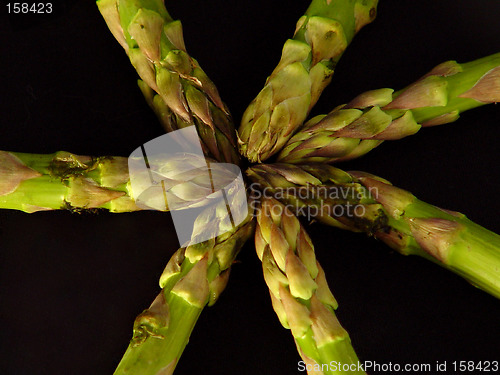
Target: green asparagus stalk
(353,129)
(299,291)
(34,182)
(398,218)
(305,69)
(31,182)
(194,277)
(185,96)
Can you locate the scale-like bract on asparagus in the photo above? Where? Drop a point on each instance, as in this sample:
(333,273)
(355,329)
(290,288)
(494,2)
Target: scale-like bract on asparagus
(194,277)
(305,69)
(393,215)
(353,129)
(299,291)
(173,83)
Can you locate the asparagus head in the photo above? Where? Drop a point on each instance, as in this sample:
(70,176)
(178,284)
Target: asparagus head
(305,69)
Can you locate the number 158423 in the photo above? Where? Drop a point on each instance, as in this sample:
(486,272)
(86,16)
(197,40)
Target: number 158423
(29,8)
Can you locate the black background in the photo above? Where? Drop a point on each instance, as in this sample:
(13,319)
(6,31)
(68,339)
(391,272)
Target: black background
(71,285)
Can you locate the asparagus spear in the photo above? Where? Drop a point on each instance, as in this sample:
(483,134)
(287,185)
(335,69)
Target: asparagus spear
(353,129)
(34,182)
(299,291)
(361,202)
(185,95)
(194,277)
(305,69)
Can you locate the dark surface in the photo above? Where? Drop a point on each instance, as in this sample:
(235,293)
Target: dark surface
(71,285)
